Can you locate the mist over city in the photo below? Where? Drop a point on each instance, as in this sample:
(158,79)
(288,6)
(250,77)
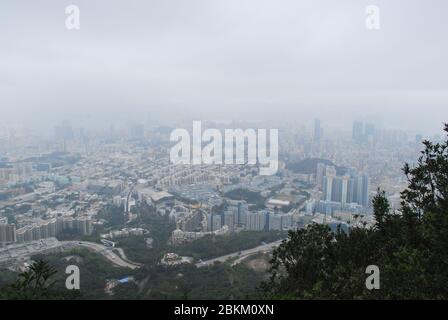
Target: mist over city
(231,60)
(252,150)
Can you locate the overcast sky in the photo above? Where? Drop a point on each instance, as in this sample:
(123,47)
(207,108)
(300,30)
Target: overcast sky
(226,59)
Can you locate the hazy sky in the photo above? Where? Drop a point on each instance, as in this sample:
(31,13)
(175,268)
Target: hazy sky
(226,59)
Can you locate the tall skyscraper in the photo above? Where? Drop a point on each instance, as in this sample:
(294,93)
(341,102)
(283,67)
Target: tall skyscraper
(256,221)
(346,189)
(229,219)
(320,173)
(364,199)
(7,233)
(242,212)
(318,131)
(369,132)
(336,189)
(327,188)
(330,174)
(361,190)
(214,222)
(358,132)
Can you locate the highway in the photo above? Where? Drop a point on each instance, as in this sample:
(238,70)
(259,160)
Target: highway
(125,258)
(241,255)
(105,252)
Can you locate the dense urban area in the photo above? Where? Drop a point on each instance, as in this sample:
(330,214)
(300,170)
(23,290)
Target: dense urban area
(138,226)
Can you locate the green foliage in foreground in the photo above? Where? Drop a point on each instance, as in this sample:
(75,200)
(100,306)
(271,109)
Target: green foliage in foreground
(46,279)
(410,247)
(220,281)
(35,283)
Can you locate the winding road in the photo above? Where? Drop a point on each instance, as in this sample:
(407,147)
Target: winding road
(105,252)
(241,255)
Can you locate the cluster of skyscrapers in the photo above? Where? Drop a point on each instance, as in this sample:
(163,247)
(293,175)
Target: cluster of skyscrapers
(237,215)
(348,189)
(362,133)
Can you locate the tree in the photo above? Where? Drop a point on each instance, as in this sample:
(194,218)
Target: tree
(35,283)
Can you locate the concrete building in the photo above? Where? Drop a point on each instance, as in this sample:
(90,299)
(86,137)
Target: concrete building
(7,233)
(280,221)
(256,221)
(53,227)
(230,218)
(346,189)
(215,222)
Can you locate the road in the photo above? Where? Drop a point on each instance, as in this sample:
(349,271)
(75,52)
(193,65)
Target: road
(125,258)
(105,252)
(241,254)
(128,200)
